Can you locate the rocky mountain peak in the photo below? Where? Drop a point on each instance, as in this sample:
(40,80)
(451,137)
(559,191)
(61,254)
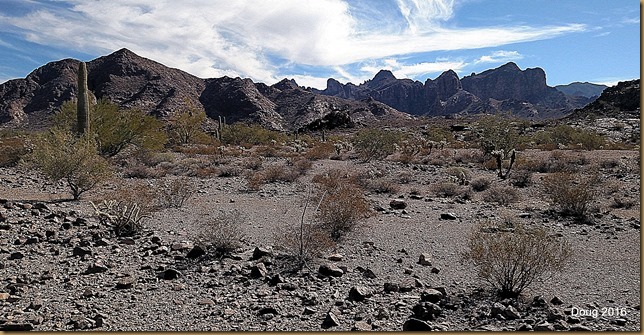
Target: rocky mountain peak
(286,84)
(383,76)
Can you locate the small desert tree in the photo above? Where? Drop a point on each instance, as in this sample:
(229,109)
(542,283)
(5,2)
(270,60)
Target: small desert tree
(186,127)
(376,143)
(511,260)
(114,129)
(61,155)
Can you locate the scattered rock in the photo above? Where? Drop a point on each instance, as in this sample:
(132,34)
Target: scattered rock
(170,274)
(435,270)
(96,267)
(330,320)
(391,287)
(359,293)
(258,271)
(16,327)
(556,301)
(416,325)
(544,326)
(448,216)
(431,295)
(361,326)
(260,252)
(330,270)
(397,204)
(196,252)
(335,257)
(125,283)
(16,255)
(424,259)
(426,310)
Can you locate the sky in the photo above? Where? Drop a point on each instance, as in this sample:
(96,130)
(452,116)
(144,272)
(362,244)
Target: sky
(310,41)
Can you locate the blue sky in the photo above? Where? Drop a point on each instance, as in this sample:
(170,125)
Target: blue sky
(350,40)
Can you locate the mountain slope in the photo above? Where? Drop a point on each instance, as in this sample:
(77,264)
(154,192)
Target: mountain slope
(137,82)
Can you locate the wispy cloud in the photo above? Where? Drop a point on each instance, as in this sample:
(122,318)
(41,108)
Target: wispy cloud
(211,38)
(499,56)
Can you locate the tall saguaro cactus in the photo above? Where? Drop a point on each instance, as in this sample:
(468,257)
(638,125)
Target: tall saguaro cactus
(82,107)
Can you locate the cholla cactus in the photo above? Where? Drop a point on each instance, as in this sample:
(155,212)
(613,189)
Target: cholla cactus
(124,218)
(499,156)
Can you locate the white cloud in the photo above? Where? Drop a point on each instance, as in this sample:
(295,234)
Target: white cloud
(500,56)
(211,38)
(401,70)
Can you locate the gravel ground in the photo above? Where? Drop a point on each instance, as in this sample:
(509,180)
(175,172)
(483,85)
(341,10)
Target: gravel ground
(60,269)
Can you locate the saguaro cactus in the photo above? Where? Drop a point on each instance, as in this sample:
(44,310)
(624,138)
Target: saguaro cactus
(82,107)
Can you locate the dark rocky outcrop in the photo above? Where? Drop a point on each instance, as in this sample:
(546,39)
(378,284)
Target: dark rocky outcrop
(621,101)
(585,89)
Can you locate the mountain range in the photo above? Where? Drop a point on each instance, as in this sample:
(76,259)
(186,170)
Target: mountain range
(137,82)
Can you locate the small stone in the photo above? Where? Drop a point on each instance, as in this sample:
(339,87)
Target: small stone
(397,204)
(331,270)
(424,259)
(4,296)
(268,310)
(81,252)
(539,301)
(391,287)
(448,216)
(556,301)
(416,325)
(258,271)
(361,326)
(17,255)
(196,252)
(183,245)
(431,295)
(359,293)
(127,241)
(35,305)
(435,270)
(335,257)
(96,267)
(579,328)
(544,326)
(511,313)
(170,274)
(260,252)
(330,320)
(426,310)
(125,283)
(620,322)
(309,311)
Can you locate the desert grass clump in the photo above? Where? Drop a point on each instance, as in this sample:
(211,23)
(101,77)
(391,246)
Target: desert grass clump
(461,176)
(175,192)
(382,186)
(572,193)
(320,150)
(12,149)
(521,178)
(480,184)
(446,189)
(502,195)
(223,233)
(512,260)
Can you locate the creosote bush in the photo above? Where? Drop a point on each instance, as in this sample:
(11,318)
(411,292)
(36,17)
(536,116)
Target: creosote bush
(341,209)
(223,233)
(480,184)
(572,193)
(511,260)
(502,195)
(373,144)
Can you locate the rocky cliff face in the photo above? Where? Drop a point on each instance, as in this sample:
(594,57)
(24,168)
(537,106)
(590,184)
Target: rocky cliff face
(586,90)
(504,89)
(621,101)
(136,82)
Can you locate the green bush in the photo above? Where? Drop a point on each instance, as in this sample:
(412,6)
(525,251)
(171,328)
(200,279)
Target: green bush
(61,155)
(115,129)
(250,135)
(186,127)
(512,259)
(376,143)
(498,133)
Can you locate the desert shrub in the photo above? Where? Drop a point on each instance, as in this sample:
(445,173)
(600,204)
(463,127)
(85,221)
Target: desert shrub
(620,201)
(570,136)
(335,177)
(282,172)
(123,217)
(573,193)
(521,178)
(301,243)
(320,150)
(115,129)
(137,192)
(498,133)
(608,164)
(480,184)
(229,171)
(446,189)
(502,195)
(61,155)
(375,143)
(469,156)
(461,176)
(253,163)
(250,135)
(12,149)
(511,260)
(300,164)
(382,185)
(405,177)
(186,127)
(175,192)
(341,209)
(223,233)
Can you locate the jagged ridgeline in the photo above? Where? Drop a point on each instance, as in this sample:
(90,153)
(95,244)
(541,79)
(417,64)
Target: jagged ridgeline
(136,82)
